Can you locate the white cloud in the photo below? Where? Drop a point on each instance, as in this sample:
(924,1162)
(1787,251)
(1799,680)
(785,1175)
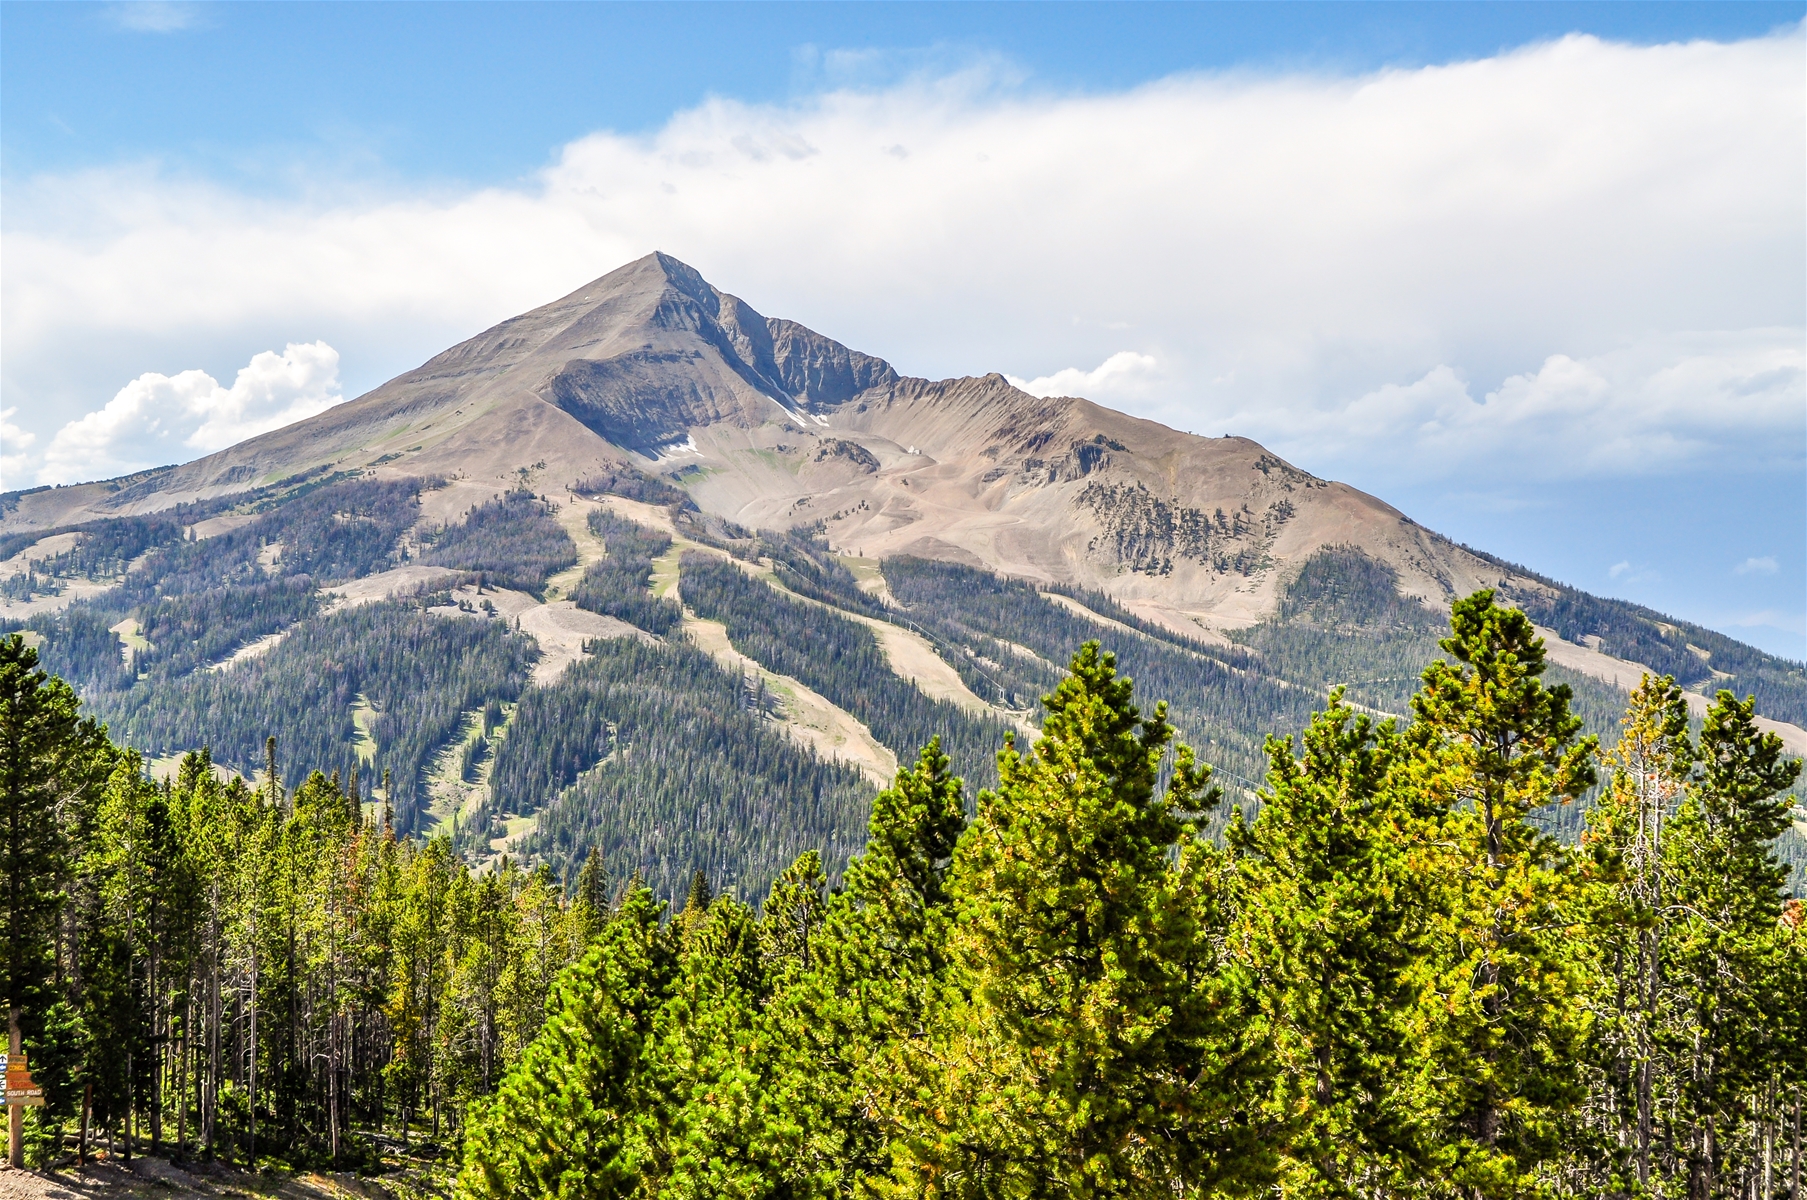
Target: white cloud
(1664,403)
(153,16)
(1579,256)
(1124,375)
(1756,566)
(1792,622)
(158,419)
(14,446)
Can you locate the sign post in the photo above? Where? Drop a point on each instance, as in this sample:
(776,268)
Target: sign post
(21,1093)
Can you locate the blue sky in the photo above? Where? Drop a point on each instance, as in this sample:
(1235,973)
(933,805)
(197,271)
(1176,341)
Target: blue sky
(484,93)
(1533,273)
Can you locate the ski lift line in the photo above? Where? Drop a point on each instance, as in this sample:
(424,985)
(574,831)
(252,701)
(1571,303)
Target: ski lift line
(1253,785)
(890,619)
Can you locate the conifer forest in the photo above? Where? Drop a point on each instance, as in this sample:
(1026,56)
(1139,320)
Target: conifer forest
(1220,928)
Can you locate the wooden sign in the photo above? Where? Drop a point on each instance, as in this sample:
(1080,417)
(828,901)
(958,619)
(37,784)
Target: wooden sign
(21,1089)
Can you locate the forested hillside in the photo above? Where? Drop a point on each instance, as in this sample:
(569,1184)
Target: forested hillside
(1389,982)
(408,675)
(207,597)
(511,541)
(840,659)
(669,766)
(1698,657)
(617,586)
(391,689)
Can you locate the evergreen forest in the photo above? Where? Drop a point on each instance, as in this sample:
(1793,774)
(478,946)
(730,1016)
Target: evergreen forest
(1362,900)
(1373,973)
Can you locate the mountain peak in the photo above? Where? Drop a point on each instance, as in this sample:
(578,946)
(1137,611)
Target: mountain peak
(771,424)
(643,274)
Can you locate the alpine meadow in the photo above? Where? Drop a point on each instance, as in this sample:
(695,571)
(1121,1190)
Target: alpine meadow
(655,750)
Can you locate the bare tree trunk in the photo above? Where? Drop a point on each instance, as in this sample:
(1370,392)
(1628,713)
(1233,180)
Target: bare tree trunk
(210,1099)
(1647,967)
(159,1046)
(333,1103)
(181,1082)
(15,1113)
(1794,1169)
(253,1064)
(1769,1142)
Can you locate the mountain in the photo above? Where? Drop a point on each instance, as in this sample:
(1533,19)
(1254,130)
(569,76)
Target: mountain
(926,554)
(770,424)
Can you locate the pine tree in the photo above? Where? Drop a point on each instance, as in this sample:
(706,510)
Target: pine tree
(1098,1048)
(576,1116)
(1332,919)
(696,904)
(590,902)
(1624,841)
(1726,955)
(1499,1010)
(790,918)
(52,763)
(721,1135)
(851,1026)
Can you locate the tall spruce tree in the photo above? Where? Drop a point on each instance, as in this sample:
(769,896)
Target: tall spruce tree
(1624,842)
(1095,1046)
(852,1026)
(52,765)
(720,1134)
(1332,919)
(1726,955)
(1498,1016)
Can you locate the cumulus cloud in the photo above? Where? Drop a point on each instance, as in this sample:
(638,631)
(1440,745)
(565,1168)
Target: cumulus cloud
(158,419)
(1124,375)
(1756,566)
(15,444)
(1573,256)
(1665,403)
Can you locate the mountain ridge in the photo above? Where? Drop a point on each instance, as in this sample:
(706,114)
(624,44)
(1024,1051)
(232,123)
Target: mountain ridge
(765,423)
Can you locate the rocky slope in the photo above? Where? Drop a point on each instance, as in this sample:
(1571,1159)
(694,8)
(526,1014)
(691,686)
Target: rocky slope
(770,424)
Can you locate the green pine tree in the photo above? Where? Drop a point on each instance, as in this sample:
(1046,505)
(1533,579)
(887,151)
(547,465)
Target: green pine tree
(577,1116)
(720,1133)
(1095,1045)
(850,1027)
(1726,956)
(1332,919)
(590,902)
(1499,1014)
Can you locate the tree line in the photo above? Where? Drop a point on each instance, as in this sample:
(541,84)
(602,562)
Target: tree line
(254,972)
(1389,983)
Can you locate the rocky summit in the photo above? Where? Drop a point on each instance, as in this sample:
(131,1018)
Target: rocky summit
(772,425)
